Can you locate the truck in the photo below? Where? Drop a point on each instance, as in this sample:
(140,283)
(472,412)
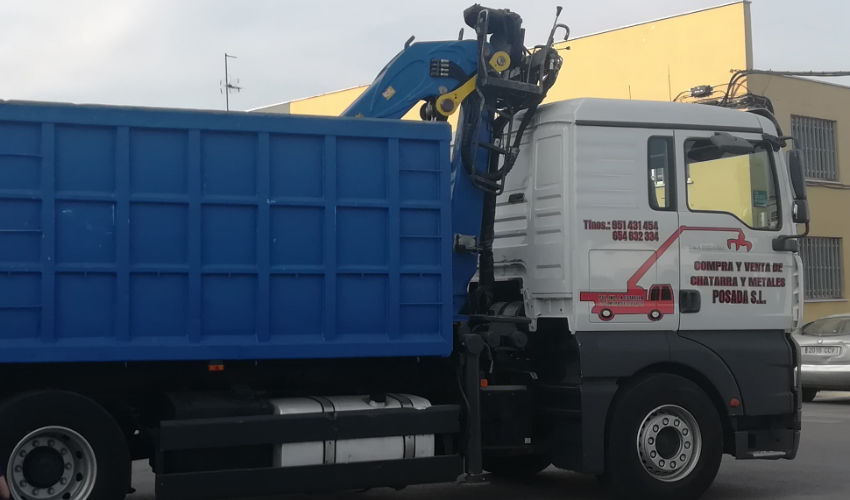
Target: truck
(266,304)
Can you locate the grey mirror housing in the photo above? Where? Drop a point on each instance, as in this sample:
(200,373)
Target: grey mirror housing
(800,211)
(799,207)
(786,245)
(795,170)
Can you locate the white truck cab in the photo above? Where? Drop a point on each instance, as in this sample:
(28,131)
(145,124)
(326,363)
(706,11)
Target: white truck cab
(651,247)
(628,215)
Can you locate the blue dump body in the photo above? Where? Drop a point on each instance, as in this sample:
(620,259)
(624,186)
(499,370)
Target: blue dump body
(146,234)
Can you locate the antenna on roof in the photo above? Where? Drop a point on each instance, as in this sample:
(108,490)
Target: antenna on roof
(227,87)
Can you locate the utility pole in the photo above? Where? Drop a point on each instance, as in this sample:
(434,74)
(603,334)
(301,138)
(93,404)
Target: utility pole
(227,85)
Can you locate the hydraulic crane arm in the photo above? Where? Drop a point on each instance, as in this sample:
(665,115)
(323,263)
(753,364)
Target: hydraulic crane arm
(509,73)
(496,67)
(421,71)
(496,83)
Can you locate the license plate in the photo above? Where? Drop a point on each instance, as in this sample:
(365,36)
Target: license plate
(822,350)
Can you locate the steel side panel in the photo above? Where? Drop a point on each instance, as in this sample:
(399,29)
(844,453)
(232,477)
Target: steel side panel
(311,478)
(156,234)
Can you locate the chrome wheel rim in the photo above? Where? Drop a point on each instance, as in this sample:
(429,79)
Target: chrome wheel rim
(669,443)
(52,463)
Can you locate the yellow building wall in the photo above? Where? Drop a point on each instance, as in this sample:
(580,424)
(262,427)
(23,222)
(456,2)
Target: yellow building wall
(729,176)
(330,104)
(829,202)
(659,59)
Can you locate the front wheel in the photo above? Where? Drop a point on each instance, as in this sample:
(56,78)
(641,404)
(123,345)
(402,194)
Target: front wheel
(62,446)
(664,440)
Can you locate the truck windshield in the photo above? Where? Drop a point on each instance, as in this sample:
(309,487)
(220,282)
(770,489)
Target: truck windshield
(741,185)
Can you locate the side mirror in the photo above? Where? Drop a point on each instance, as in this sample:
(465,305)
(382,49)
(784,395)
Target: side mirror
(798,180)
(799,207)
(800,211)
(728,143)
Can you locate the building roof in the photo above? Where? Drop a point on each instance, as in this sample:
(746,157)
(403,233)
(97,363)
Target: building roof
(801,79)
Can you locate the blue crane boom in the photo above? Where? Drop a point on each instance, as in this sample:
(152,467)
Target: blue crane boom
(490,80)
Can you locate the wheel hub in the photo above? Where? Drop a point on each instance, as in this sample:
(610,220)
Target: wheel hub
(52,463)
(43,467)
(669,443)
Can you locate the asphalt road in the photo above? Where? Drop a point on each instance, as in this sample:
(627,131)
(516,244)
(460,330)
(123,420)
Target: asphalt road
(819,472)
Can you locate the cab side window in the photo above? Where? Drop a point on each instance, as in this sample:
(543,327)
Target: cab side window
(660,173)
(743,185)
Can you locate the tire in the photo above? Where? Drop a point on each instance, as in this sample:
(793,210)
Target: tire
(606,314)
(664,440)
(516,466)
(809,394)
(42,430)
(655,315)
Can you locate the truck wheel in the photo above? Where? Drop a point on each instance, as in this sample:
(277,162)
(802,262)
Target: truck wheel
(664,440)
(809,394)
(516,466)
(655,315)
(606,315)
(62,446)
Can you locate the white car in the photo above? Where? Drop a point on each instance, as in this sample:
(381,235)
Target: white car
(825,347)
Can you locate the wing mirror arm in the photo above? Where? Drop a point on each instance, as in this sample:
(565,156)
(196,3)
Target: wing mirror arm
(789,243)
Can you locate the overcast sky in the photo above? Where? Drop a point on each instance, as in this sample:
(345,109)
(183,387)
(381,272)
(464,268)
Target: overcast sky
(170,52)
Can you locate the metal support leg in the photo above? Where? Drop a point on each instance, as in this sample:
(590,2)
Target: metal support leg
(473,345)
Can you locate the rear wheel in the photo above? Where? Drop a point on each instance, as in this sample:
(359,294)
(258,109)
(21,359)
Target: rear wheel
(516,466)
(664,440)
(809,394)
(62,446)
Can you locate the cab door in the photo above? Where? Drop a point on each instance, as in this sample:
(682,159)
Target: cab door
(729,214)
(625,205)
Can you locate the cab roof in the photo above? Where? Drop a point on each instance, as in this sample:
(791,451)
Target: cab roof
(652,114)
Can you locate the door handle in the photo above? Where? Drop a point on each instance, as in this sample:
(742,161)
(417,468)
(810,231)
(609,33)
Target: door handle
(689,301)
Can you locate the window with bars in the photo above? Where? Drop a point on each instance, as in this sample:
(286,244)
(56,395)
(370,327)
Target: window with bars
(822,267)
(816,143)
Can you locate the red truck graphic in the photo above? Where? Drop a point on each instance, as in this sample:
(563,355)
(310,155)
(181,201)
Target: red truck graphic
(658,300)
